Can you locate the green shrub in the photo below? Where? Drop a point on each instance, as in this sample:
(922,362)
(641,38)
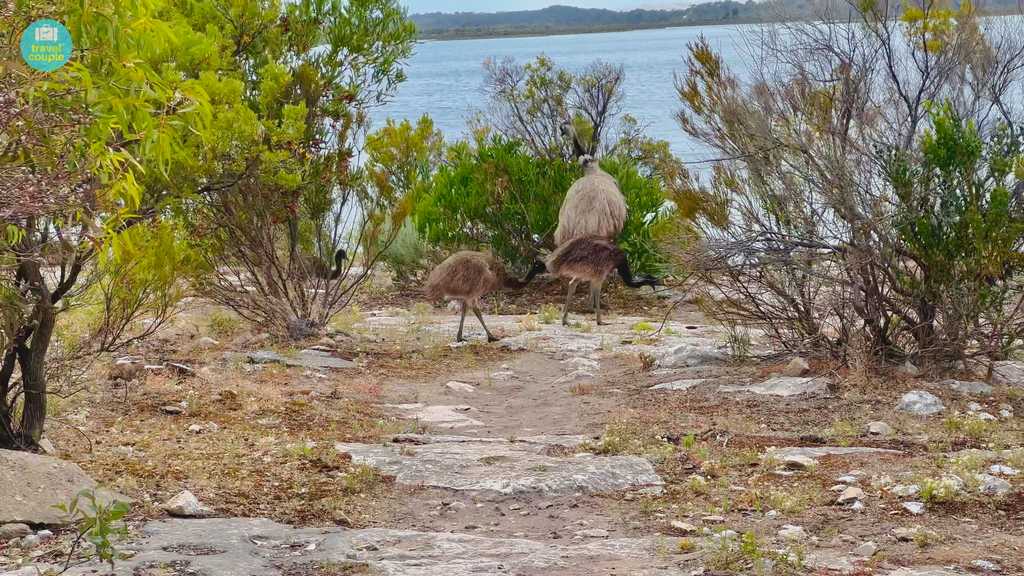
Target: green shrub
(491,193)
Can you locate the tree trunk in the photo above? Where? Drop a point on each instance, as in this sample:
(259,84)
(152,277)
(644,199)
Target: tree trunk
(33,375)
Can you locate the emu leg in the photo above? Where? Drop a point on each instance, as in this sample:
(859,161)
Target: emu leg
(568,300)
(595,296)
(462,322)
(480,317)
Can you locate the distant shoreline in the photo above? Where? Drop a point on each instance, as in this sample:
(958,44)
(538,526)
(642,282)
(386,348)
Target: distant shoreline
(544,32)
(541,32)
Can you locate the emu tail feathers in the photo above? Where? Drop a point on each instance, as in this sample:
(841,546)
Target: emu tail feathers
(339,259)
(631,281)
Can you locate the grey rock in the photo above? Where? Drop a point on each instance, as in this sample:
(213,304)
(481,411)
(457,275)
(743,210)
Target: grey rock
(310,359)
(908,369)
(255,547)
(33,484)
(12,531)
(964,387)
(920,403)
(915,508)
(851,494)
(593,533)
(993,486)
(782,386)
(986,566)
(1002,470)
(790,532)
(823,451)
(679,385)
(186,505)
(713,519)
(1008,373)
(691,354)
(449,417)
(866,550)
(974,407)
(857,506)
(456,386)
(172,409)
(798,462)
(683,527)
(905,490)
(503,467)
(797,367)
(879,428)
(985,417)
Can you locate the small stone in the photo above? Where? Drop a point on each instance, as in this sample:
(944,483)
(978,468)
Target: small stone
(978,388)
(771,514)
(515,507)
(172,409)
(905,534)
(186,505)
(726,535)
(206,343)
(974,407)
(915,508)
(920,403)
(838,488)
(44,535)
(986,566)
(455,386)
(11,531)
(1006,414)
(847,479)
(908,369)
(985,417)
(906,490)
(1001,470)
(791,532)
(29,542)
(858,506)
(683,527)
(850,494)
(866,550)
(593,533)
(992,486)
(713,519)
(799,462)
(879,428)
(797,367)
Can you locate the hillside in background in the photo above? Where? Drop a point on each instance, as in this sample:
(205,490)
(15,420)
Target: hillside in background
(569,19)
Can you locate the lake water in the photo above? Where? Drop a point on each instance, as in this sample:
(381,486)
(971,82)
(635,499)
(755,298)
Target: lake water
(446,78)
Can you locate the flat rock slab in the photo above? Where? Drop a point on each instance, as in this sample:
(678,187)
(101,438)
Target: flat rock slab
(820,451)
(256,547)
(31,484)
(504,468)
(311,359)
(782,386)
(545,440)
(449,417)
(679,385)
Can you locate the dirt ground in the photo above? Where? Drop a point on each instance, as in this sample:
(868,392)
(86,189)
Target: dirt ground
(257,440)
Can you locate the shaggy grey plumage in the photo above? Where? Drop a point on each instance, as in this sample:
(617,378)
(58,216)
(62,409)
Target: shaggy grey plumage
(591,259)
(594,206)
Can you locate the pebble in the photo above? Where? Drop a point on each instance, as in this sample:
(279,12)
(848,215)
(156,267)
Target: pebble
(986,566)
(850,494)
(713,519)
(866,550)
(593,533)
(186,505)
(879,428)
(906,490)
(797,367)
(920,403)
(456,386)
(1002,470)
(791,532)
(772,514)
(985,416)
(848,479)
(172,409)
(12,531)
(858,506)
(683,527)
(915,508)
(798,462)
(992,486)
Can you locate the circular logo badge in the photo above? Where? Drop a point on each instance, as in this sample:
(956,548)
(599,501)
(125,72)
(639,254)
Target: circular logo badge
(46,45)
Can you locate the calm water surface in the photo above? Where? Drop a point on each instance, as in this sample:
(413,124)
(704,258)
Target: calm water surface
(446,78)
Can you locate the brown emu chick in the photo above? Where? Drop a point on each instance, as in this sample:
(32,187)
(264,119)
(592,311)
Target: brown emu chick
(468,276)
(594,206)
(591,260)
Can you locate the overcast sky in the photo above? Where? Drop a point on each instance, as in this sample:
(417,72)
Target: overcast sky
(419,6)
